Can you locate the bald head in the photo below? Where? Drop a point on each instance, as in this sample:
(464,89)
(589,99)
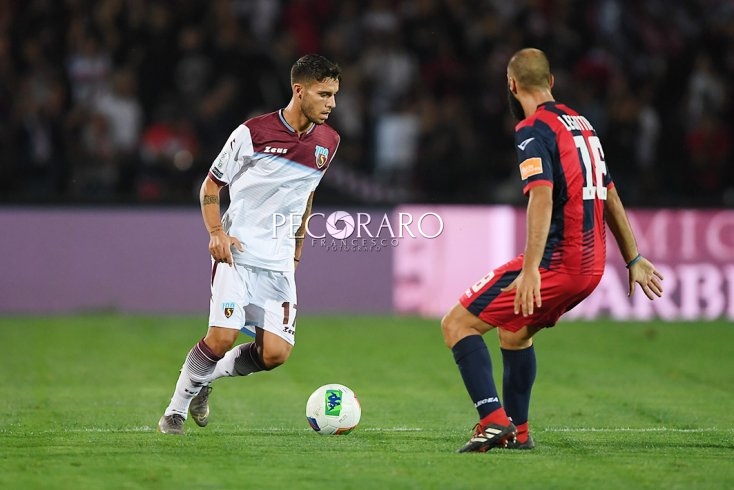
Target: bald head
(530,69)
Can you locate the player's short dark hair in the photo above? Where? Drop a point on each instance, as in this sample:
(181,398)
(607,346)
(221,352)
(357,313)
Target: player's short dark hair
(314,67)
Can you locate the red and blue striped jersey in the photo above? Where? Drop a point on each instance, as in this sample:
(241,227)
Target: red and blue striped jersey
(558,147)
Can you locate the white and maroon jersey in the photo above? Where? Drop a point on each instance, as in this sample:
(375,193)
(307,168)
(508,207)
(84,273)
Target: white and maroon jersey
(271,172)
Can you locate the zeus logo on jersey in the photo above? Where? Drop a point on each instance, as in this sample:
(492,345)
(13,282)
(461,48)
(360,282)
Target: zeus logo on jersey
(272,149)
(322,156)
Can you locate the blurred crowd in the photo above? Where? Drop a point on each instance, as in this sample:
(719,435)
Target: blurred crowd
(128,101)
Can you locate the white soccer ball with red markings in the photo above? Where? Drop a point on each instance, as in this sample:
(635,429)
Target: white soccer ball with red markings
(333,409)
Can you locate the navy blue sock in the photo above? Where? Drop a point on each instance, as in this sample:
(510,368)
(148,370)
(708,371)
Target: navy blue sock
(472,358)
(517,382)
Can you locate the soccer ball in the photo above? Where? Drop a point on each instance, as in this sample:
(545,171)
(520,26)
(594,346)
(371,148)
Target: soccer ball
(333,409)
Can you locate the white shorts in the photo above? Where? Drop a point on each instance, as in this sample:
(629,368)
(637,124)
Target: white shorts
(245,297)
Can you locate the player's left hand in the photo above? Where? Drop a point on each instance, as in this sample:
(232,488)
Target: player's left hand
(527,291)
(647,276)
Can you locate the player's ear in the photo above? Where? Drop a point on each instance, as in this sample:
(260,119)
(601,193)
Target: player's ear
(512,85)
(551,80)
(298,91)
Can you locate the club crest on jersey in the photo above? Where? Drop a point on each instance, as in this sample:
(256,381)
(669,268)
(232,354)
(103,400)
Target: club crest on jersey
(228,309)
(322,156)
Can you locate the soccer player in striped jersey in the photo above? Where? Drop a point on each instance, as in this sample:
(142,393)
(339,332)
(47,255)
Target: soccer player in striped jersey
(271,165)
(571,199)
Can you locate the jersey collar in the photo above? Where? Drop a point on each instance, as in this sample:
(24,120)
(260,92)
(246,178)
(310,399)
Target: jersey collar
(291,128)
(546,104)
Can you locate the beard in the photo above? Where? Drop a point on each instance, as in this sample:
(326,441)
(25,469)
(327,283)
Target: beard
(515,106)
(310,114)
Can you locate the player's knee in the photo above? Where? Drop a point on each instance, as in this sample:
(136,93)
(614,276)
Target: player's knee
(275,356)
(515,340)
(449,328)
(459,323)
(220,340)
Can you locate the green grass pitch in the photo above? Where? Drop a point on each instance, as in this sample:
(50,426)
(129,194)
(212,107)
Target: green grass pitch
(615,405)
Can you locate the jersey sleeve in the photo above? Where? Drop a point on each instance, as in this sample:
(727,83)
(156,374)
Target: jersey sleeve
(536,166)
(331,159)
(235,154)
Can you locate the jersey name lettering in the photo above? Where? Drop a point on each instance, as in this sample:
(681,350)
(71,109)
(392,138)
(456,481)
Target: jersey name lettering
(579,123)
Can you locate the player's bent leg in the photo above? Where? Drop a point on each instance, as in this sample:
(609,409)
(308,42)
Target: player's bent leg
(267,352)
(275,350)
(459,323)
(518,376)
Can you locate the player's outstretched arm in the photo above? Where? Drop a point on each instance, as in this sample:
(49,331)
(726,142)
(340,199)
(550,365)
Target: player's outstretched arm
(641,270)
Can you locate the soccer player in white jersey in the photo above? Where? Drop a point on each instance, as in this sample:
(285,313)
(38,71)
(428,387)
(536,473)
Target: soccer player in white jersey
(271,165)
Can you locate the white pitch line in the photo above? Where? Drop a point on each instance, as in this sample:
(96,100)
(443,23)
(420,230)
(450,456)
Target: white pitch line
(633,429)
(393,429)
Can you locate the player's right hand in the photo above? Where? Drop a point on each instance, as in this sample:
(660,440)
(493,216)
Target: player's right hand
(527,291)
(220,247)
